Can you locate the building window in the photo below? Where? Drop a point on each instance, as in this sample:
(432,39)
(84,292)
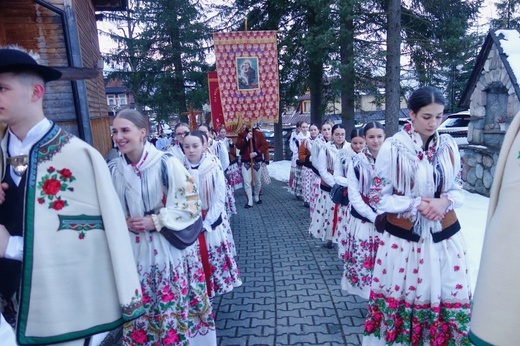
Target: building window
(306,106)
(122,99)
(111,100)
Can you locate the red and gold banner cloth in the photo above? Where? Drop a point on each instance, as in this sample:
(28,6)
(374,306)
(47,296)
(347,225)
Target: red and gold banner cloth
(217,116)
(247,67)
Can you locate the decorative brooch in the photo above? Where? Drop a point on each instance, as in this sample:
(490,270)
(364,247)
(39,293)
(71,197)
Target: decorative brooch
(19,164)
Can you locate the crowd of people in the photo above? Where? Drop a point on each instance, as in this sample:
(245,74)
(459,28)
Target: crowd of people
(146,240)
(143,236)
(388,208)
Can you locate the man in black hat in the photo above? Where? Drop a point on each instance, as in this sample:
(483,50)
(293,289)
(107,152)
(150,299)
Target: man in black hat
(63,237)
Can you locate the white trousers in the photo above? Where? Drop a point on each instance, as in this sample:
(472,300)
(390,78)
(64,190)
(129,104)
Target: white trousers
(252,193)
(7,337)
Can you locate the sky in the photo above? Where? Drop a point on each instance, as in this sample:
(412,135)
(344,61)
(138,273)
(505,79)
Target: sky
(472,217)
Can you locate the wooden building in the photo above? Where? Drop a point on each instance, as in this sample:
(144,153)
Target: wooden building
(64,34)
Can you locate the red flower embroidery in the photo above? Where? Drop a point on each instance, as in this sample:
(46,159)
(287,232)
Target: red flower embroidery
(370,326)
(172,338)
(51,186)
(139,336)
(58,204)
(65,173)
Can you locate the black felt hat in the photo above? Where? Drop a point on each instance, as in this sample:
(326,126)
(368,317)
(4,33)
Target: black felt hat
(14,60)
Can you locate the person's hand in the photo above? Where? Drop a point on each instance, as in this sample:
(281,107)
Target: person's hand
(422,206)
(3,187)
(4,240)
(140,224)
(435,209)
(253,154)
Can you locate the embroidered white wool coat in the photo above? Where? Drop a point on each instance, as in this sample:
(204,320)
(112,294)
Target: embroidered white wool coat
(78,262)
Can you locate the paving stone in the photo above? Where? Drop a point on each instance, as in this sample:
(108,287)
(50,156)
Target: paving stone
(267,340)
(237,341)
(297,329)
(301,338)
(288,313)
(300,320)
(291,292)
(238,323)
(283,300)
(329,338)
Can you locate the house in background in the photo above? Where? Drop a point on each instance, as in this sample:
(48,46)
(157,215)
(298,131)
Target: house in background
(368,107)
(119,97)
(64,34)
(492,96)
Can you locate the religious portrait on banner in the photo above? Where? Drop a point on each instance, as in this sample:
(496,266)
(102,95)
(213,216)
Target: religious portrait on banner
(247,73)
(247,76)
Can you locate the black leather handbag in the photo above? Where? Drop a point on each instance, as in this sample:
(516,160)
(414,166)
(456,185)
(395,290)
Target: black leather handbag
(339,194)
(183,238)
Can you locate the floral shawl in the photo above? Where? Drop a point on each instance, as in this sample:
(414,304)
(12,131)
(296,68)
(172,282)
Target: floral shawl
(209,177)
(405,173)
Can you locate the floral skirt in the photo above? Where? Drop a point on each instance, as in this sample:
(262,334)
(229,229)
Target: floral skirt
(420,293)
(234,175)
(315,193)
(307,178)
(264,171)
(357,247)
(224,274)
(325,218)
(175,298)
(297,187)
(231,208)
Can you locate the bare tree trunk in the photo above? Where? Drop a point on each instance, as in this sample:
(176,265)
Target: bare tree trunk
(393,66)
(316,88)
(346,40)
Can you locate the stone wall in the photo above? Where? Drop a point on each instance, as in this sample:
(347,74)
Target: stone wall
(493,98)
(478,168)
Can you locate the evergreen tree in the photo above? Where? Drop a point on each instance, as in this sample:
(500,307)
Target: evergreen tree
(508,14)
(162,53)
(438,43)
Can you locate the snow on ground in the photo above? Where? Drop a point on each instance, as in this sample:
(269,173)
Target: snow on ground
(472,217)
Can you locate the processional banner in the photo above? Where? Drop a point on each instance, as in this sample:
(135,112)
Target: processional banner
(247,68)
(217,116)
